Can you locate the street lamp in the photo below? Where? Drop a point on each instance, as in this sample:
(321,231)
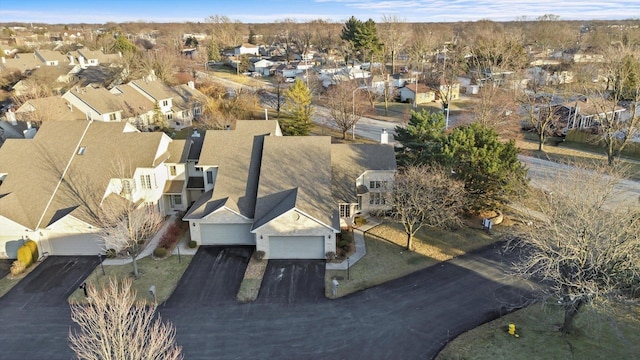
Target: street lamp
(348,269)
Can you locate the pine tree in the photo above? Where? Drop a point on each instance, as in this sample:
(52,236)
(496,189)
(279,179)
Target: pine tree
(298,106)
(420,137)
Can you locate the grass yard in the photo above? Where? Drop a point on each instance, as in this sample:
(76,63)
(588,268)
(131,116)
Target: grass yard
(164,274)
(250,286)
(599,336)
(387,258)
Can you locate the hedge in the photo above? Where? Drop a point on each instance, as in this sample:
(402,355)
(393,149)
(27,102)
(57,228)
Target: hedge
(24,255)
(34,249)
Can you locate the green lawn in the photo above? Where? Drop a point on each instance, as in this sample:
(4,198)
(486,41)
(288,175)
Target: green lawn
(387,259)
(164,274)
(600,336)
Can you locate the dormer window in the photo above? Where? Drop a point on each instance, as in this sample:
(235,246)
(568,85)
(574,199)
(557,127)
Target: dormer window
(165,102)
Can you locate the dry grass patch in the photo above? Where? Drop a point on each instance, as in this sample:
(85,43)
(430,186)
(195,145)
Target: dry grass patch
(164,274)
(387,259)
(601,336)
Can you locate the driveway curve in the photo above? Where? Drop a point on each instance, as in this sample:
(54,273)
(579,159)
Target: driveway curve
(408,318)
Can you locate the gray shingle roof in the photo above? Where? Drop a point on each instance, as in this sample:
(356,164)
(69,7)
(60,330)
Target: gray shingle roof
(349,161)
(34,167)
(296,167)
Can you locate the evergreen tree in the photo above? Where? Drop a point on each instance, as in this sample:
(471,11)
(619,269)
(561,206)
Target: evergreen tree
(252,36)
(299,108)
(490,168)
(420,137)
(213,52)
(123,45)
(363,38)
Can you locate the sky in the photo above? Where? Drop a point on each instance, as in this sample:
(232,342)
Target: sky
(265,11)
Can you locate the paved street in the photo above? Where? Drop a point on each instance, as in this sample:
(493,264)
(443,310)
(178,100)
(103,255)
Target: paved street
(409,318)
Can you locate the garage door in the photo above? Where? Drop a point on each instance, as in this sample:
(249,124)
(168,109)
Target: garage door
(226,234)
(296,247)
(75,245)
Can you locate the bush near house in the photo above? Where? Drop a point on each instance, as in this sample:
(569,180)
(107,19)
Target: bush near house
(34,249)
(24,255)
(17,267)
(193,244)
(171,237)
(160,252)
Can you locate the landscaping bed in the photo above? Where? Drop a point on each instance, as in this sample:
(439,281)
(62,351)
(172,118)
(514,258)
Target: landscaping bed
(250,286)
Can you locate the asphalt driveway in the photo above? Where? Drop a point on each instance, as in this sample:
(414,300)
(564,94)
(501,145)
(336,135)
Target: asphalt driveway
(213,276)
(51,283)
(408,318)
(293,281)
(5,266)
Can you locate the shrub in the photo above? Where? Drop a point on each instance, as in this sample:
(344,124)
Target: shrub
(111,253)
(34,249)
(24,255)
(359,220)
(160,252)
(258,255)
(330,255)
(344,244)
(17,267)
(193,244)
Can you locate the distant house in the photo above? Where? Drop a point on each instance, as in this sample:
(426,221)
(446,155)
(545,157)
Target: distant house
(417,93)
(587,113)
(246,49)
(262,67)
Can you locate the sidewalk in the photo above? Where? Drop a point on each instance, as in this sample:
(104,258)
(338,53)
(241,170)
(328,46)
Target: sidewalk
(148,250)
(361,249)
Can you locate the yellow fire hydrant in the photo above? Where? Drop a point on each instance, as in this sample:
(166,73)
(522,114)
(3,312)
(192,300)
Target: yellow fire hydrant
(512,330)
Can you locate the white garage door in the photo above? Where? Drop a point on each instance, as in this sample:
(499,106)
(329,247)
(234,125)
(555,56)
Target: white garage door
(75,245)
(226,234)
(296,247)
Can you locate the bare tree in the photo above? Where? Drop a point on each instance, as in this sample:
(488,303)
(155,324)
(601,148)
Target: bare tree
(393,34)
(539,107)
(496,107)
(426,196)
(582,242)
(126,226)
(114,326)
(344,110)
(623,83)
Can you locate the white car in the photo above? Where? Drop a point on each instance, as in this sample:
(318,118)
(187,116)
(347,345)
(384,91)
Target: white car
(289,80)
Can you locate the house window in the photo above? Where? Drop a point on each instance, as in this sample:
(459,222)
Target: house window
(145,181)
(345,210)
(185,114)
(176,201)
(165,102)
(197,111)
(198,169)
(155,181)
(209,177)
(375,184)
(170,116)
(82,150)
(172,170)
(112,117)
(376,198)
(126,186)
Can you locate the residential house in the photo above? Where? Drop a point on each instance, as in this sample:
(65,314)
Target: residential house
(262,67)
(417,94)
(85,57)
(52,186)
(246,49)
(587,113)
(282,194)
(47,109)
(195,176)
(451,90)
(51,58)
(23,62)
(97,103)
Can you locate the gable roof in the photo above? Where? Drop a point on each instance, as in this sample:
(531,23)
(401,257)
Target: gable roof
(34,168)
(350,161)
(97,98)
(49,108)
(154,88)
(296,172)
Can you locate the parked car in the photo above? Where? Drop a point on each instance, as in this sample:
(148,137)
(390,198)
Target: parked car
(289,80)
